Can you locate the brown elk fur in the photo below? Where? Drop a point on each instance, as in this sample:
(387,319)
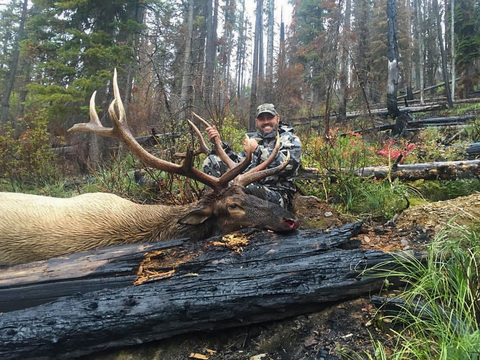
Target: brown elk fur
(36,227)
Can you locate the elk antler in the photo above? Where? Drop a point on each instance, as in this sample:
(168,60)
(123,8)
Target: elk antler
(121,132)
(258,172)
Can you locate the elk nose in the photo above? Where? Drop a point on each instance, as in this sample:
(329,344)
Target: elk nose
(291,224)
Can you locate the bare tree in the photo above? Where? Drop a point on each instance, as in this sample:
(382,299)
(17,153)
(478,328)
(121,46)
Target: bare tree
(344,63)
(419,51)
(187,88)
(441,45)
(269,64)
(452,45)
(256,62)
(211,47)
(392,55)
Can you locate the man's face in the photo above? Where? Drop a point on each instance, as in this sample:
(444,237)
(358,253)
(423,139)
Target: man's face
(267,122)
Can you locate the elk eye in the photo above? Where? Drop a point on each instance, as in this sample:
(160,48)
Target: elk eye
(233,206)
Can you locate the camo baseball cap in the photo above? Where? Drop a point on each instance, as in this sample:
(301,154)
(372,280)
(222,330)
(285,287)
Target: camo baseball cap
(266,108)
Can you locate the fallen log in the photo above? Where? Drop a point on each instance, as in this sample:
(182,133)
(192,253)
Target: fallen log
(473,150)
(271,277)
(28,285)
(409,310)
(441,121)
(414,125)
(446,170)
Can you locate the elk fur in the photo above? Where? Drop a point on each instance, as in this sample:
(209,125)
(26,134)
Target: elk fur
(36,227)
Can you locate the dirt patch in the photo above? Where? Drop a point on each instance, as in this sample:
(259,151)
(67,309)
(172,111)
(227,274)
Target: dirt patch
(463,210)
(314,213)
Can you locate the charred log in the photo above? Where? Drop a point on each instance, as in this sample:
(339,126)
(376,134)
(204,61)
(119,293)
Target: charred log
(32,284)
(447,170)
(211,287)
(473,151)
(407,311)
(442,121)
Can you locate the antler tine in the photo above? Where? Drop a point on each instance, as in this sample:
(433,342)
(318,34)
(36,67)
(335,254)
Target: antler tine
(218,147)
(250,177)
(202,146)
(94,125)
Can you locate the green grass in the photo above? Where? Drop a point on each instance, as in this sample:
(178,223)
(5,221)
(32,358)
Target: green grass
(446,325)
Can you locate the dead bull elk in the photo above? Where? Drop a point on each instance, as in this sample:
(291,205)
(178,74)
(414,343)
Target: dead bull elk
(37,227)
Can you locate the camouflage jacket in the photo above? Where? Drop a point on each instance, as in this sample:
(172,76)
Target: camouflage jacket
(289,142)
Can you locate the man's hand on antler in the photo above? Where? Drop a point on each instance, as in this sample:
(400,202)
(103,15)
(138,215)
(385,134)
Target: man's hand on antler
(249,142)
(212,133)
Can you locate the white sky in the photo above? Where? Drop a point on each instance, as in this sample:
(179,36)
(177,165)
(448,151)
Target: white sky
(279,5)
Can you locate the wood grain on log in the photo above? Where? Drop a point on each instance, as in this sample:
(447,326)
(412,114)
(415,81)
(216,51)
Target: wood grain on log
(273,277)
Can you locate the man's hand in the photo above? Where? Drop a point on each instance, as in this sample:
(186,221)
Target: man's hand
(248,142)
(212,133)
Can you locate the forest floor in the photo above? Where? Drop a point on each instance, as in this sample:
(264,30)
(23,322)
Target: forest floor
(348,326)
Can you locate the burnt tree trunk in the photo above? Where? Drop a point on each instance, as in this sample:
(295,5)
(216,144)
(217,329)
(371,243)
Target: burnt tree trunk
(473,150)
(446,170)
(442,121)
(209,286)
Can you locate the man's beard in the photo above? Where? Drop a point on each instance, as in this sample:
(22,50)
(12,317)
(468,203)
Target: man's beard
(273,131)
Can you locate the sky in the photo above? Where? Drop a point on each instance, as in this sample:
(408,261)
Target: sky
(279,5)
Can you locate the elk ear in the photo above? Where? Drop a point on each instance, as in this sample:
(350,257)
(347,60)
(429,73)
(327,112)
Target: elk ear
(196,216)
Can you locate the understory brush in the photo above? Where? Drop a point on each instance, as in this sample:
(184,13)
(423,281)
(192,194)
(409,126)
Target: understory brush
(440,317)
(341,158)
(26,157)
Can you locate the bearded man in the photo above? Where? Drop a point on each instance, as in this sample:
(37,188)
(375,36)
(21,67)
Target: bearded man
(279,188)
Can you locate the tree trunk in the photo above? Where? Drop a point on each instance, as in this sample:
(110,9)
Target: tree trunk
(272,277)
(13,67)
(187,87)
(392,55)
(436,11)
(344,64)
(452,46)
(210,53)
(269,64)
(256,63)
(419,49)
(241,52)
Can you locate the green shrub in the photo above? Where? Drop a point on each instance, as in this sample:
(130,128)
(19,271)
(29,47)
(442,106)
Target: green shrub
(28,160)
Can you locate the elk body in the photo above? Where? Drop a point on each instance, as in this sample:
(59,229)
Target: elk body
(36,227)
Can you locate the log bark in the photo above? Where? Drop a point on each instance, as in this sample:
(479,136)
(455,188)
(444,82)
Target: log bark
(446,170)
(416,124)
(473,150)
(443,121)
(213,286)
(27,285)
